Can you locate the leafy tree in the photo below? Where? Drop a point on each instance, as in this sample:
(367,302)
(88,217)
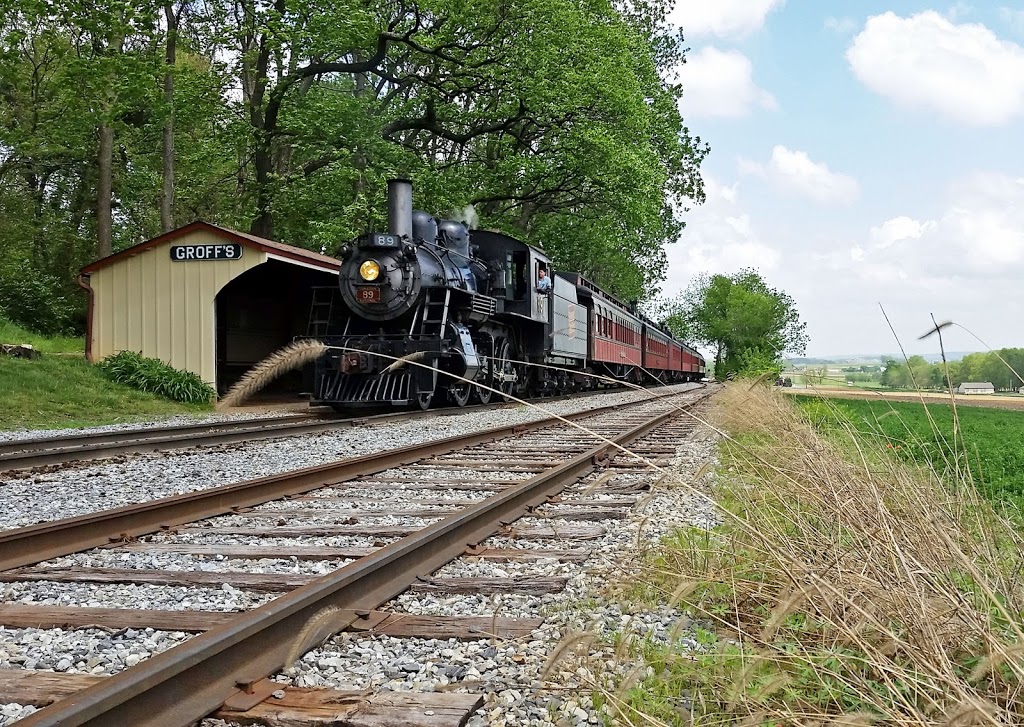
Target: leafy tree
(737,314)
(553,119)
(756,362)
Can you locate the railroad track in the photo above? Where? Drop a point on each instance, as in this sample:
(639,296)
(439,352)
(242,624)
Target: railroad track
(476,486)
(27,454)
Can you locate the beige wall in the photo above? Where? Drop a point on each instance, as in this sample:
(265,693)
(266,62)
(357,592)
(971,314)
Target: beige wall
(162,308)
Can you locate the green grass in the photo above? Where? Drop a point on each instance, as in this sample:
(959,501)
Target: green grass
(991,440)
(61,390)
(11,333)
(56,392)
(843,587)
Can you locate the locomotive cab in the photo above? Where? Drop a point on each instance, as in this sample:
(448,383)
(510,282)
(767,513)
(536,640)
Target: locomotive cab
(515,278)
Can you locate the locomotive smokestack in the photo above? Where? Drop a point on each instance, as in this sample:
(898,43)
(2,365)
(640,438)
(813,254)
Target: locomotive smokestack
(400,207)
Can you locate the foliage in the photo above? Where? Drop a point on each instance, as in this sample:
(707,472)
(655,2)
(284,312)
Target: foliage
(37,302)
(552,119)
(736,315)
(1003,369)
(842,587)
(756,362)
(988,447)
(154,376)
(58,391)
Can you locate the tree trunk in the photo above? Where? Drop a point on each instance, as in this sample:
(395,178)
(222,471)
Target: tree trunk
(104,192)
(167,192)
(263,224)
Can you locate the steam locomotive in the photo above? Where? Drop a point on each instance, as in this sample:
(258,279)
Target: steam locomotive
(455,305)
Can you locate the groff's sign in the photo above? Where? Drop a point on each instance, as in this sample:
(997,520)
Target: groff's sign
(184,253)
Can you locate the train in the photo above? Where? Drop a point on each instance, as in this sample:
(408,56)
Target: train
(431,313)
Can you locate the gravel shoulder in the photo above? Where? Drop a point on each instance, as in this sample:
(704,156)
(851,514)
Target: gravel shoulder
(42,497)
(521,681)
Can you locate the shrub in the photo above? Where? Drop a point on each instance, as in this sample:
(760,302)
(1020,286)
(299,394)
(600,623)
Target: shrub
(37,302)
(156,377)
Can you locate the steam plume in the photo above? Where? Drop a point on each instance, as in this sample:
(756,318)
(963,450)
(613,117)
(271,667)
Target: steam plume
(467,216)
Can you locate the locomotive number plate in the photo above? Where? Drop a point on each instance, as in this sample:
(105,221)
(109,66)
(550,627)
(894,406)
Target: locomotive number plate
(368,294)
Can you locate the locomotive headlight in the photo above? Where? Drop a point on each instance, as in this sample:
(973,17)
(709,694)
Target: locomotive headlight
(369,270)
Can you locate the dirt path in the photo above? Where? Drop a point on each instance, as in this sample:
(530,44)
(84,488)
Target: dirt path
(931,397)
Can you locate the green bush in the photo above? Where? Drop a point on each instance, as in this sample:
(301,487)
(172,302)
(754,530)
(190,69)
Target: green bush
(154,376)
(37,302)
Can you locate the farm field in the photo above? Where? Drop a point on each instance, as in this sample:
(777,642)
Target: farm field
(997,401)
(991,440)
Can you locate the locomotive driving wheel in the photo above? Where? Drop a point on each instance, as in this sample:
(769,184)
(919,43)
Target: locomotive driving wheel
(483,395)
(459,391)
(484,382)
(505,372)
(424,399)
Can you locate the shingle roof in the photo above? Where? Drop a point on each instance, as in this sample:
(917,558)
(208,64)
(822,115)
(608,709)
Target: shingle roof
(260,243)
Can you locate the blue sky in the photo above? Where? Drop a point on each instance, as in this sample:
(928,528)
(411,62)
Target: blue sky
(862,153)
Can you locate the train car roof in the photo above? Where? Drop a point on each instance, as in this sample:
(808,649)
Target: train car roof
(497,233)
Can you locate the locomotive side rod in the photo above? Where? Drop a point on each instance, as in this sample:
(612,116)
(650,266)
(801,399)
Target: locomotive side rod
(35,543)
(182,685)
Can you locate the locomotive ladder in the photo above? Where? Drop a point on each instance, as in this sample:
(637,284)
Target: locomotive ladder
(321,311)
(434,313)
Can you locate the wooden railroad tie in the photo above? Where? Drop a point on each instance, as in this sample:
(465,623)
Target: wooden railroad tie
(308,707)
(398,625)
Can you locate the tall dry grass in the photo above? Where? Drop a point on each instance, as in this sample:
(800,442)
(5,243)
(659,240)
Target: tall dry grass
(845,587)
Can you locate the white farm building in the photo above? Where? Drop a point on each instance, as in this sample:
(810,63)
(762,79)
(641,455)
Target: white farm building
(976,388)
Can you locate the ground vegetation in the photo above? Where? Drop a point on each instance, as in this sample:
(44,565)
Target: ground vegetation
(845,586)
(61,390)
(1003,369)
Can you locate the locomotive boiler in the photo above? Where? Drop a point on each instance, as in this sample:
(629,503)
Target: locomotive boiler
(411,293)
(432,312)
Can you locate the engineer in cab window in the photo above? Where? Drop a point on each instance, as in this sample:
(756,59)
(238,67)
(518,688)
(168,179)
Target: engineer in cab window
(543,282)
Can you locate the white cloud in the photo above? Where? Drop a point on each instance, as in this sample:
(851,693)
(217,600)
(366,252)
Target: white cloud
(962,260)
(722,18)
(980,235)
(898,229)
(959,10)
(720,237)
(927,62)
(841,26)
(720,84)
(797,172)
(986,224)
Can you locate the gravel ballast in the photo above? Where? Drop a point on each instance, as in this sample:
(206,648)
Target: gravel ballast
(520,686)
(41,497)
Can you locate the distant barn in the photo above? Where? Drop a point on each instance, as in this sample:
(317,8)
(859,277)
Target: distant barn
(976,388)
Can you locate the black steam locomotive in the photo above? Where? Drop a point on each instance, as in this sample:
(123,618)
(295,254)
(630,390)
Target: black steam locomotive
(455,305)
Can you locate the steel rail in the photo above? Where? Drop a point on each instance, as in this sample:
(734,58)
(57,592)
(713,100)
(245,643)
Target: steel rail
(25,454)
(30,453)
(187,682)
(36,443)
(35,543)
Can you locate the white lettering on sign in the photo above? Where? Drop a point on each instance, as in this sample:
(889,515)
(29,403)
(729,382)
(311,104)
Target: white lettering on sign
(181,253)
